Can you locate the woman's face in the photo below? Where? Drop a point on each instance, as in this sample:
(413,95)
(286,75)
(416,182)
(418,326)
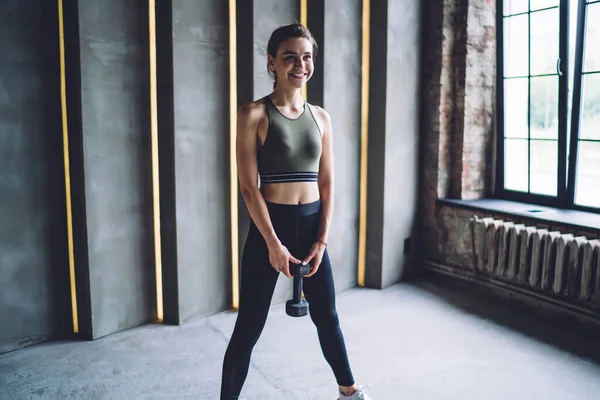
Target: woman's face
(293,64)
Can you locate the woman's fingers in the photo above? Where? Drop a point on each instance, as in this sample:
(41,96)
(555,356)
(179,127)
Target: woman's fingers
(312,254)
(313,270)
(286,270)
(281,261)
(283,264)
(314,267)
(309,257)
(294,260)
(315,256)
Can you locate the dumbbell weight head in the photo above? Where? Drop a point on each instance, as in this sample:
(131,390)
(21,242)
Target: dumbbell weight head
(299,309)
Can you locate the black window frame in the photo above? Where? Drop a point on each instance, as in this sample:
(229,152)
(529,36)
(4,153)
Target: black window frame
(567,168)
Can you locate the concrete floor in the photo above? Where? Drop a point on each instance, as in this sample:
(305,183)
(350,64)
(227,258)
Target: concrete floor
(411,341)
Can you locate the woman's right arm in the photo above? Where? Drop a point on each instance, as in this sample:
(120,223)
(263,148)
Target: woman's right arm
(249,117)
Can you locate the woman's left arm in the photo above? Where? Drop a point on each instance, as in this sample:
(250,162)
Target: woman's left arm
(325,182)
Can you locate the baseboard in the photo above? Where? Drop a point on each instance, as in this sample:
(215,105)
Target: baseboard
(542,303)
(14,346)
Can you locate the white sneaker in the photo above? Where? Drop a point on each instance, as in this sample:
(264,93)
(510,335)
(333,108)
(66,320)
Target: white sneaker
(360,394)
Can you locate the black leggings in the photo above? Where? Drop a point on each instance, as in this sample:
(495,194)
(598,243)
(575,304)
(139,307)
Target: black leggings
(297,228)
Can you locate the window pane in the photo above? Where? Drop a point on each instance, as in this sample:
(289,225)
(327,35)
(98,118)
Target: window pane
(516,164)
(539,4)
(545,27)
(592,38)
(515,108)
(514,6)
(573,9)
(516,46)
(544,160)
(590,107)
(544,107)
(587,191)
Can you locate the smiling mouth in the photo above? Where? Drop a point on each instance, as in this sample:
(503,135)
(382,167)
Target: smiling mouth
(298,76)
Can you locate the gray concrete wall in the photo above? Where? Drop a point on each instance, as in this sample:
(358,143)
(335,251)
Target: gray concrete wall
(116,162)
(268,15)
(34,291)
(342,85)
(393,140)
(402,137)
(109,126)
(201,155)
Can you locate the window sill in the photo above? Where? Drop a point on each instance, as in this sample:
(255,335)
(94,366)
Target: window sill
(574,218)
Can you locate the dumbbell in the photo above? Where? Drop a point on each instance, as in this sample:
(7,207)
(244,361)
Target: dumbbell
(297,306)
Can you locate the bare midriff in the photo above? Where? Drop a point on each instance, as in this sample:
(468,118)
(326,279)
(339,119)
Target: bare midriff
(290,192)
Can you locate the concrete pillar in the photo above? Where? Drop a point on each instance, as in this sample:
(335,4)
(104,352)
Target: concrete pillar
(34,270)
(393,139)
(109,126)
(245,94)
(194,150)
(341,95)
(316,25)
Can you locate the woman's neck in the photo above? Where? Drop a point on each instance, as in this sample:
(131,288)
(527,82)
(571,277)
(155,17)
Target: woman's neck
(291,97)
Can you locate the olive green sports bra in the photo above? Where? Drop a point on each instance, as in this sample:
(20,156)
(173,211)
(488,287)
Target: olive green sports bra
(292,149)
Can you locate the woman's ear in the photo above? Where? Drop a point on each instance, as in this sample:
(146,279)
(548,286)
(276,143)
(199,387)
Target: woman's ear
(271,63)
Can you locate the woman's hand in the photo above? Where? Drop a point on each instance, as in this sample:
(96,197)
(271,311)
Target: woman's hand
(280,258)
(316,255)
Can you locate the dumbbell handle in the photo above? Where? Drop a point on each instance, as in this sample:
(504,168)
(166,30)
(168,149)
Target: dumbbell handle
(297,289)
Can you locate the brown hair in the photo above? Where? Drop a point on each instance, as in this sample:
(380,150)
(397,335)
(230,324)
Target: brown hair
(284,33)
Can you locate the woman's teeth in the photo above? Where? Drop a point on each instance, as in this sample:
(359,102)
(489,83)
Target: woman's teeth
(299,76)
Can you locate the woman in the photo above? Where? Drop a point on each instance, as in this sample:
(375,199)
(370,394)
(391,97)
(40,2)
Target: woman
(286,142)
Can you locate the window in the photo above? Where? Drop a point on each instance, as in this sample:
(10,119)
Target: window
(549,102)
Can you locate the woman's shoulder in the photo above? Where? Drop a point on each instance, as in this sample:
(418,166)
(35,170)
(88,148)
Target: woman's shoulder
(256,108)
(318,110)
(320,114)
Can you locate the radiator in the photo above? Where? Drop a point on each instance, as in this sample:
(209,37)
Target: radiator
(557,263)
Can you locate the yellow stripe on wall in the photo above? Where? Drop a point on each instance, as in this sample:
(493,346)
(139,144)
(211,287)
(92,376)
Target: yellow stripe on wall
(155,170)
(304,21)
(232,154)
(65,133)
(364,135)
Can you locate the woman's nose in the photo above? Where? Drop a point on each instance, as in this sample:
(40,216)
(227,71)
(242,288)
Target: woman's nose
(298,62)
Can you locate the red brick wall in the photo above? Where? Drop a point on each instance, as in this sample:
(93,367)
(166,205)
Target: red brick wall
(466,81)
(459,57)
(458,81)
(479,94)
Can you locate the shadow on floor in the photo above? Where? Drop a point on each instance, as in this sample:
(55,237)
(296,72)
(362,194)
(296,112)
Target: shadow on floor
(561,331)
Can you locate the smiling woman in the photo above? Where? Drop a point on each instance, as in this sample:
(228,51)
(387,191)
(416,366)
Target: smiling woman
(288,144)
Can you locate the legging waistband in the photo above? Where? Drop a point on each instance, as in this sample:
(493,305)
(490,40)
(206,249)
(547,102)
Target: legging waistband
(295,210)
